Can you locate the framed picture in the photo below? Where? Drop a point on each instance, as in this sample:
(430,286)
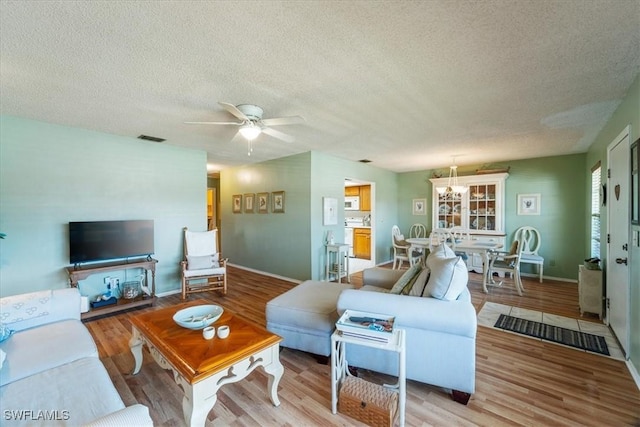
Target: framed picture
(278,201)
(329,211)
(529,204)
(419,206)
(248,202)
(263,202)
(236,202)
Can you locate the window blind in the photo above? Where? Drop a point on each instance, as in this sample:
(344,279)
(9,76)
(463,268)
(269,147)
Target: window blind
(595,211)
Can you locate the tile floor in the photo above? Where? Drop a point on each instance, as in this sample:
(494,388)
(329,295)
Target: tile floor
(491,311)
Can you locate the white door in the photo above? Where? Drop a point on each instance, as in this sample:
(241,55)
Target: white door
(618,230)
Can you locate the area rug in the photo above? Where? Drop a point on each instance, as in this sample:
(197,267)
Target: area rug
(581,340)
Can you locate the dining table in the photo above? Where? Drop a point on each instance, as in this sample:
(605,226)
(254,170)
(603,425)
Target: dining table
(480,247)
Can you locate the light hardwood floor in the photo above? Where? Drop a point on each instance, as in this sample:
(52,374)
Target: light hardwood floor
(519,381)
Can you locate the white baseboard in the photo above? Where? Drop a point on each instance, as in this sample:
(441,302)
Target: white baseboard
(558,279)
(634,373)
(264,273)
(167,293)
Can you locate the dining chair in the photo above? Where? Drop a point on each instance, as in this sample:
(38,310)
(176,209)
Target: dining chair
(530,238)
(203,268)
(507,262)
(418,231)
(400,247)
(438,236)
(458,235)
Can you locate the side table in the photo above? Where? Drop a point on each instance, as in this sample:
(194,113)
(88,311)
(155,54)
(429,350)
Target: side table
(339,365)
(337,261)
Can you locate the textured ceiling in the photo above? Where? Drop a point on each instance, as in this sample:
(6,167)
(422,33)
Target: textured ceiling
(407,84)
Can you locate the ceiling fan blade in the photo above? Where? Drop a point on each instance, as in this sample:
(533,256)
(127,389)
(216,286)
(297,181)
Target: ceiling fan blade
(277,134)
(278,121)
(214,123)
(234,110)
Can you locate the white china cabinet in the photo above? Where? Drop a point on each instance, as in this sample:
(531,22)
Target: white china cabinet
(480,210)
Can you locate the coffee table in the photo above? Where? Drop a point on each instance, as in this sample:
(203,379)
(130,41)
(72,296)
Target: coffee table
(200,367)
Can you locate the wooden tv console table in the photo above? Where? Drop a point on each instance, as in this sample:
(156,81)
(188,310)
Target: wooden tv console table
(77,273)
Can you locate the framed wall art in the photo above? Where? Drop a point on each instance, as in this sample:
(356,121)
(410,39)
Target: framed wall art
(263,202)
(248,202)
(236,203)
(419,206)
(529,204)
(278,201)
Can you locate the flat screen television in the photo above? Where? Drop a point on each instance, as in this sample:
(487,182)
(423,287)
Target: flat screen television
(108,240)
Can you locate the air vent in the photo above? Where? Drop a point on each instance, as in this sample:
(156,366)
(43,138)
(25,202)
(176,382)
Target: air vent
(365,161)
(151,138)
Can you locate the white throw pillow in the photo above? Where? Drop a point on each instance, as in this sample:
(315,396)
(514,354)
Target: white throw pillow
(202,262)
(439,252)
(448,278)
(421,282)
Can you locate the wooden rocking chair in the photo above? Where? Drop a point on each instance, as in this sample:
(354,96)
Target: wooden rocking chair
(203,268)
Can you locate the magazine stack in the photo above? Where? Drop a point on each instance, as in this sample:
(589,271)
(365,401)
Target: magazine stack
(366,326)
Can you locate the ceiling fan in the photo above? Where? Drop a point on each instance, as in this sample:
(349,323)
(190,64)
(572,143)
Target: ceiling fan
(252,124)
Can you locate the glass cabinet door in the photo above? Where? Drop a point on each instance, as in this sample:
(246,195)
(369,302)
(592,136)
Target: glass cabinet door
(482,207)
(449,210)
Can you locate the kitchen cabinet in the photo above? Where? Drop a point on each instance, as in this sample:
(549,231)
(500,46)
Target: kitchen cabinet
(362,243)
(365,198)
(352,191)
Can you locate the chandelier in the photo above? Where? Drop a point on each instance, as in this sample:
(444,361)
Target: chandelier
(453,187)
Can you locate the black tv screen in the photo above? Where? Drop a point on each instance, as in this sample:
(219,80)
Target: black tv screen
(105,240)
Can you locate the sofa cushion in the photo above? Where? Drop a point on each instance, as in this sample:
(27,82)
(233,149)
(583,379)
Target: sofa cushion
(448,278)
(79,392)
(37,349)
(406,279)
(310,305)
(420,284)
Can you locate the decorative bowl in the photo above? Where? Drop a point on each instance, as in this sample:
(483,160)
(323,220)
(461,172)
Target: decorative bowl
(198,317)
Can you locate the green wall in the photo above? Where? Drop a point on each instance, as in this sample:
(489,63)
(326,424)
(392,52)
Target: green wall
(558,179)
(291,244)
(51,175)
(628,113)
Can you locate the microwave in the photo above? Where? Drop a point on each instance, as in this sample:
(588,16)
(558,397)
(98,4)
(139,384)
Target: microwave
(352,203)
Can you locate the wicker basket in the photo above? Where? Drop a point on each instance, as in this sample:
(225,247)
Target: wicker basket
(367,402)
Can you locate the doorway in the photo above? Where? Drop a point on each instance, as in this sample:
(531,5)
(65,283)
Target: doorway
(618,279)
(360,230)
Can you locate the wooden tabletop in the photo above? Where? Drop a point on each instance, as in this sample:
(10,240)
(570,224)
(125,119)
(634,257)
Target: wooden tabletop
(193,356)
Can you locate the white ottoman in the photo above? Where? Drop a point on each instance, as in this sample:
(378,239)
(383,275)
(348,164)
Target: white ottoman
(305,316)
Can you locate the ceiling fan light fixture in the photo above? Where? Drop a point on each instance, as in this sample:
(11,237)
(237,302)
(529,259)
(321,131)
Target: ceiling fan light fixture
(250,131)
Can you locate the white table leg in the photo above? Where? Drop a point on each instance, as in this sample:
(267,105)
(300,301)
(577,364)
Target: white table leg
(402,379)
(274,370)
(196,404)
(485,271)
(135,345)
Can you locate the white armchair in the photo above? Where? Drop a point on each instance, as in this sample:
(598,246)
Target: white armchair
(203,268)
